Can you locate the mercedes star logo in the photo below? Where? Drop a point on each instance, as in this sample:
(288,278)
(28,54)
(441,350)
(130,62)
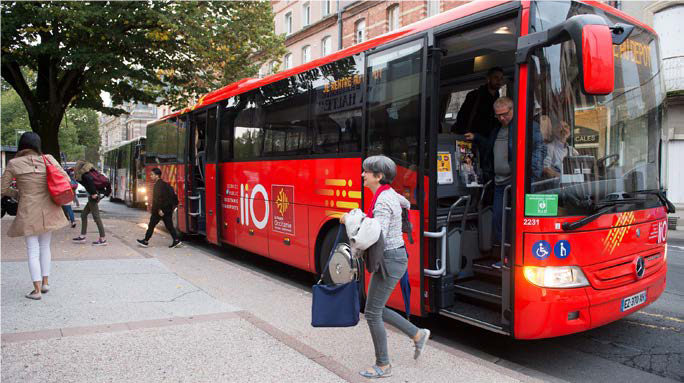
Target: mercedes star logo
(639,267)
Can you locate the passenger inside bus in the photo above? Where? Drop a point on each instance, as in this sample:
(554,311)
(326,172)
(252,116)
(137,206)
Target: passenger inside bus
(557,150)
(476,114)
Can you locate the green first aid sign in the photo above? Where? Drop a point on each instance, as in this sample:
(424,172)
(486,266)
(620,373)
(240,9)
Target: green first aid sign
(543,205)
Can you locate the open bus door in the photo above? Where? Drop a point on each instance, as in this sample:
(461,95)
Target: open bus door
(394,111)
(213,204)
(468,283)
(195,159)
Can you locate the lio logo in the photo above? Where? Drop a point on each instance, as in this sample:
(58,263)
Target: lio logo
(247,205)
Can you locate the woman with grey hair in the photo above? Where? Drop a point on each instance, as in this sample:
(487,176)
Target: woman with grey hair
(386,207)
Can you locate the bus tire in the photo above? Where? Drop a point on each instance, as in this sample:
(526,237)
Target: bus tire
(326,248)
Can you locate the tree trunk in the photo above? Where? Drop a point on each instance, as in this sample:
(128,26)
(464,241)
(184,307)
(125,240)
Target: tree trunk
(47,127)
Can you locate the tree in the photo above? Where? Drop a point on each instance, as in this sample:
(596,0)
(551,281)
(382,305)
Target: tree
(146,51)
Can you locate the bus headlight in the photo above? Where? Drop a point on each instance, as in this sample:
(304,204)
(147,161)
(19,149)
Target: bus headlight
(556,276)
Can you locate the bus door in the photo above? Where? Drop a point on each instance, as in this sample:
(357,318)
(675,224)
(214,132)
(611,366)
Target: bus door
(394,111)
(476,62)
(195,172)
(212,205)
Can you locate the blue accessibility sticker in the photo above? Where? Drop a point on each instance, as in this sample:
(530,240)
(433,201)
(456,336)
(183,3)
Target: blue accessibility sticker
(562,249)
(541,249)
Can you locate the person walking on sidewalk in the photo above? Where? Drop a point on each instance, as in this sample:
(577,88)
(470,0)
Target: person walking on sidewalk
(37,215)
(164,200)
(82,174)
(69,214)
(70,172)
(386,207)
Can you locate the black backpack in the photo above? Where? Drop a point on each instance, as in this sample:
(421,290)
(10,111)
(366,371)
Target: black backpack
(9,206)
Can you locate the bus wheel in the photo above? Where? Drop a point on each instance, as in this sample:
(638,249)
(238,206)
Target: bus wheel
(326,248)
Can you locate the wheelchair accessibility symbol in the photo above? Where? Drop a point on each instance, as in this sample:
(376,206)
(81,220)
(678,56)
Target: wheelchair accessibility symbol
(562,249)
(541,249)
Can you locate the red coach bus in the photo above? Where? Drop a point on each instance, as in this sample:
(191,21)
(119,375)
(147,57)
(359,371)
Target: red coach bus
(268,165)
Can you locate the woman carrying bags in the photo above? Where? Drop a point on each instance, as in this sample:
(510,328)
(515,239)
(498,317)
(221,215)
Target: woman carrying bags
(386,207)
(37,215)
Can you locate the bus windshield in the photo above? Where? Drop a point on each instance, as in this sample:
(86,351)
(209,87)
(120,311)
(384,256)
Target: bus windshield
(597,148)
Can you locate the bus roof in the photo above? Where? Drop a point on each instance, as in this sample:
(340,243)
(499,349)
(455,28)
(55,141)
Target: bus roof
(461,11)
(124,143)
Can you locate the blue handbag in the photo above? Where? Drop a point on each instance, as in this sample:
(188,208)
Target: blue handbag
(335,305)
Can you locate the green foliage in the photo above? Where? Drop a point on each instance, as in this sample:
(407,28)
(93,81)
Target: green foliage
(13,117)
(147,51)
(78,134)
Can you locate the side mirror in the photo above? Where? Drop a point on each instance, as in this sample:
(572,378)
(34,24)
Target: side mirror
(597,68)
(593,40)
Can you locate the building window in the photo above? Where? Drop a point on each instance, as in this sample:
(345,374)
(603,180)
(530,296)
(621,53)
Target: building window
(271,67)
(306,54)
(432,7)
(325,6)
(306,14)
(288,23)
(360,31)
(287,61)
(393,17)
(326,46)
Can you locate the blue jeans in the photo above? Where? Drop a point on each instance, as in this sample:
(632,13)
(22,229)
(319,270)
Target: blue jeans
(379,291)
(498,212)
(69,212)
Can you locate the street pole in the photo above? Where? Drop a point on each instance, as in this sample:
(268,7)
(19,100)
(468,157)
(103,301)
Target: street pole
(17,136)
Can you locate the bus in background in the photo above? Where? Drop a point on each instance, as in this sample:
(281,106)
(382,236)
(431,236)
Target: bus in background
(125,167)
(268,165)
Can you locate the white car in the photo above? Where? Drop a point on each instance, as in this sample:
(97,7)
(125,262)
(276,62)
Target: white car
(81,191)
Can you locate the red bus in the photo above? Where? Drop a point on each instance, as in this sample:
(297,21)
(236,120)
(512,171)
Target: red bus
(268,165)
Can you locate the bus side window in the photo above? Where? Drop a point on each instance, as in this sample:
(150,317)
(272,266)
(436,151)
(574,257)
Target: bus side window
(335,106)
(249,134)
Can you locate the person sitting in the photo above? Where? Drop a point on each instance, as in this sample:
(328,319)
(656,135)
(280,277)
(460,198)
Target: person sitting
(557,150)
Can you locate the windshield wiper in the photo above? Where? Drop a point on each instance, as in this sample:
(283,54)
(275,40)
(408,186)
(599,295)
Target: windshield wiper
(659,193)
(604,207)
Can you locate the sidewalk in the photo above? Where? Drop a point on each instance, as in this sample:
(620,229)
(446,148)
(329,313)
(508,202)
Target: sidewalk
(123,313)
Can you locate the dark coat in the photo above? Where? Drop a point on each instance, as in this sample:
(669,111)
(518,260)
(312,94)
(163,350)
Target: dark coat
(477,113)
(164,197)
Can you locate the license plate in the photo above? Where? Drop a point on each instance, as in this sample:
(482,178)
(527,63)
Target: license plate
(633,301)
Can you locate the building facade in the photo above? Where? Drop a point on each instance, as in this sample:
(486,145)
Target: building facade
(130,125)
(665,18)
(314,29)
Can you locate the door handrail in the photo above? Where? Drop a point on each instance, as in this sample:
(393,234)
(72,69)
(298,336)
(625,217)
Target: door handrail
(442,268)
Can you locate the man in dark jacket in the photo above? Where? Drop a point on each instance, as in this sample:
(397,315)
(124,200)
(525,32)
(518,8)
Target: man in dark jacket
(164,200)
(476,115)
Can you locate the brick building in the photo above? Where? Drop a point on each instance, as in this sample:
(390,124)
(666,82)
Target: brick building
(314,29)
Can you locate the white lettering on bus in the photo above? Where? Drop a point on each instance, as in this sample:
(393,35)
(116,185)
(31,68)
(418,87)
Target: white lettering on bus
(662,231)
(260,224)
